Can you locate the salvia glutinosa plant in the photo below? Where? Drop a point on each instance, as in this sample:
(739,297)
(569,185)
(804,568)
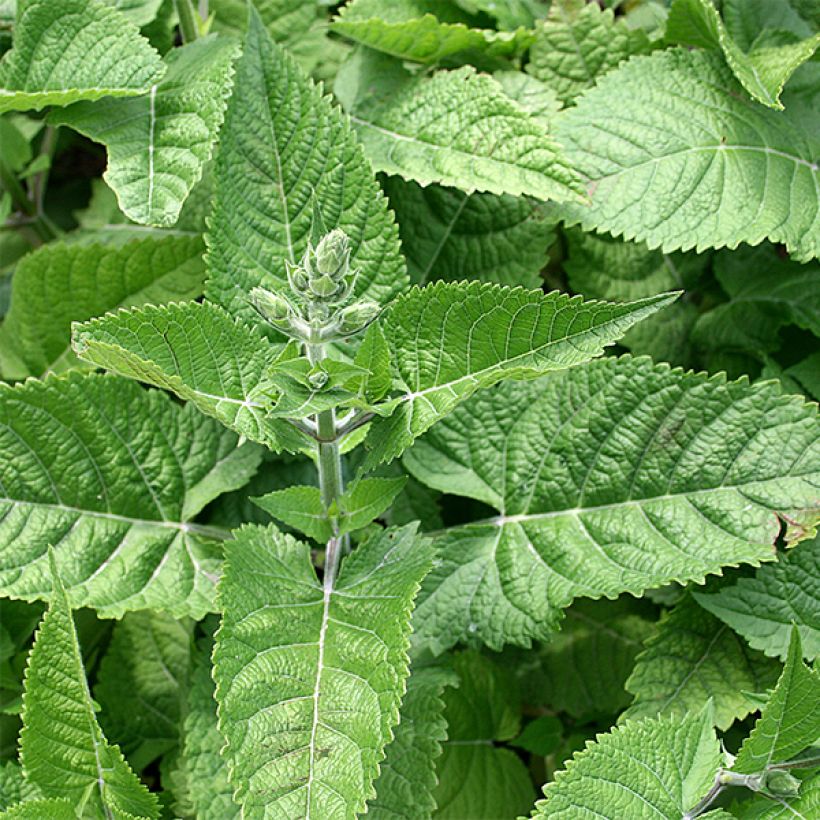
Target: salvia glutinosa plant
(416,414)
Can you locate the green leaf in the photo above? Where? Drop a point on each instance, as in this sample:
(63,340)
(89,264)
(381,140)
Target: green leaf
(476,778)
(301,508)
(762,807)
(645,768)
(405,785)
(450,339)
(676,156)
(618,476)
(764,608)
(206,772)
(286,21)
(541,736)
(747,19)
(62,747)
(365,500)
(451,235)
(531,94)
(762,72)
(139,12)
(70,50)
(158,143)
(790,721)
(54,809)
(142,684)
(111,475)
(284,147)
(456,128)
(692,658)
(582,670)
(310,675)
(14,788)
(579,43)
(425,32)
(198,351)
(60,284)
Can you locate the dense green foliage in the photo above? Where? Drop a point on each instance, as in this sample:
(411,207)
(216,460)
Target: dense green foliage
(408,409)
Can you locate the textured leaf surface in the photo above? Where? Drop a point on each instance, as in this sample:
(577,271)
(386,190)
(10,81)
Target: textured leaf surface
(198,351)
(451,235)
(456,128)
(404,788)
(478,779)
(616,476)
(142,683)
(309,677)
(763,608)
(283,144)
(62,747)
(60,284)
(790,720)
(648,768)
(578,43)
(55,808)
(424,31)
(692,658)
(763,72)
(675,155)
(110,476)
(158,143)
(70,50)
(450,339)
(284,20)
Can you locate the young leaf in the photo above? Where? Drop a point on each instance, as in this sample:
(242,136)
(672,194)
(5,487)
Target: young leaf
(763,72)
(456,128)
(678,157)
(70,50)
(645,768)
(141,684)
(139,12)
(310,675)
(578,43)
(616,476)
(476,778)
(450,339)
(407,780)
(301,508)
(284,20)
(198,351)
(111,475)
(158,143)
(60,284)
(283,147)
(692,658)
(790,721)
(764,608)
(62,747)
(425,32)
(452,235)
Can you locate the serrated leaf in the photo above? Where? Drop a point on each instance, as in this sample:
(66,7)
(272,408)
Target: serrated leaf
(286,21)
(762,72)
(476,778)
(62,748)
(616,476)
(70,50)
(54,809)
(456,128)
(425,32)
(790,721)
(676,156)
(198,351)
(452,235)
(159,143)
(110,476)
(531,94)
(142,683)
(35,337)
(450,339)
(583,669)
(578,43)
(762,807)
(283,147)
(14,788)
(299,507)
(646,768)
(747,19)
(407,779)
(692,658)
(310,675)
(764,608)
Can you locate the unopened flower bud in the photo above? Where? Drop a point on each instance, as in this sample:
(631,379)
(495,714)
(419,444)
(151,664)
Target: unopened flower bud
(332,255)
(317,379)
(297,279)
(324,287)
(781,783)
(274,308)
(357,317)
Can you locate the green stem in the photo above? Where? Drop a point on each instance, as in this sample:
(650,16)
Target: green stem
(43,232)
(188,25)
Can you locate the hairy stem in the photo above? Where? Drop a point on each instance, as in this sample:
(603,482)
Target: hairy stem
(188,26)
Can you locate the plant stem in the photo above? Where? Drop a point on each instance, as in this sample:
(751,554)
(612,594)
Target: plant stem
(188,25)
(8,179)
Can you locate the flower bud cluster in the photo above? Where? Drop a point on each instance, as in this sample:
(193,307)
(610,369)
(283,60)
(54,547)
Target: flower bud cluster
(321,287)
